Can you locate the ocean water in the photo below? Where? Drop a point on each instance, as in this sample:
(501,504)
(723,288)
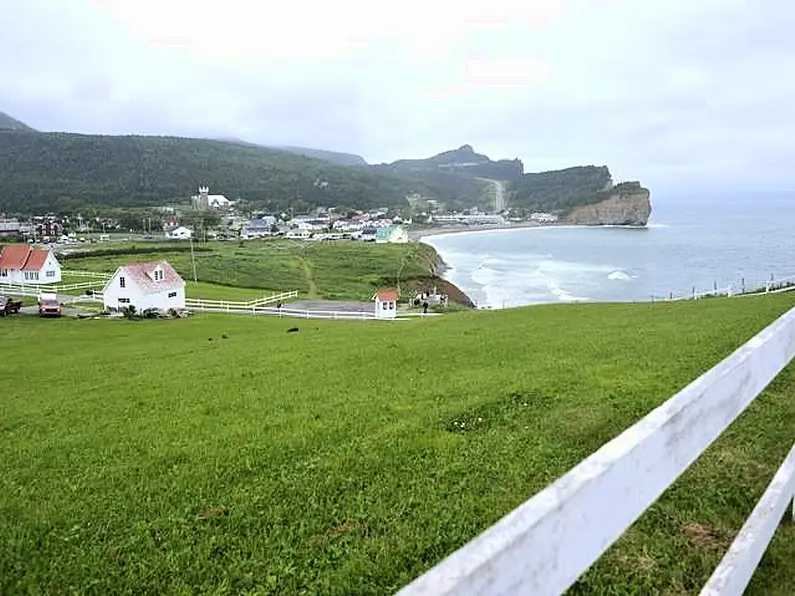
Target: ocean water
(693,242)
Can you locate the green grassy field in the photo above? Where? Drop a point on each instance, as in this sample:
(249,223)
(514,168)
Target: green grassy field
(331,270)
(347,458)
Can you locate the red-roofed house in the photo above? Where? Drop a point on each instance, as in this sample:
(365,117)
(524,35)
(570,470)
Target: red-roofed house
(145,285)
(385,304)
(20,263)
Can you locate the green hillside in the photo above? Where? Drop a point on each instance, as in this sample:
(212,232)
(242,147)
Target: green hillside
(222,455)
(559,189)
(62,171)
(336,157)
(463,161)
(9,123)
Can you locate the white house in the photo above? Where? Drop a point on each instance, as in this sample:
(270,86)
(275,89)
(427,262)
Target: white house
(181,233)
(145,285)
(385,304)
(19,263)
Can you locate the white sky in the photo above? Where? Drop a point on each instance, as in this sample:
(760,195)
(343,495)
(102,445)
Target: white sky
(679,94)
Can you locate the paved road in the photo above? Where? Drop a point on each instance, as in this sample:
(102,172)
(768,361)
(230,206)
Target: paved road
(499,196)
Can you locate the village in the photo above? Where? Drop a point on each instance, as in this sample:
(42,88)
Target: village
(214,217)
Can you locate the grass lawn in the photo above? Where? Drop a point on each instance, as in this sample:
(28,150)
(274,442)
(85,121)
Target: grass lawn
(350,457)
(330,270)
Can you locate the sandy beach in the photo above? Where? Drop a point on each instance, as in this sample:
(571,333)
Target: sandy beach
(418,234)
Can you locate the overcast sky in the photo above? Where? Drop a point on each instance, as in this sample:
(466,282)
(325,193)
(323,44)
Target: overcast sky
(674,92)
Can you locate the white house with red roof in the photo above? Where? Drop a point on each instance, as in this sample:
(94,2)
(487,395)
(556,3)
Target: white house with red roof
(385,304)
(144,285)
(21,263)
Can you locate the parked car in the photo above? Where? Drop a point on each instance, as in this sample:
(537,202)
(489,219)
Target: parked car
(9,306)
(49,305)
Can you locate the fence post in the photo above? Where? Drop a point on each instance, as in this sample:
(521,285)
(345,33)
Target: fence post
(307,313)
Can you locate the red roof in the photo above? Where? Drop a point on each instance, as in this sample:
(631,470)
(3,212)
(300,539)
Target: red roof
(14,256)
(143,276)
(36,259)
(21,257)
(386,295)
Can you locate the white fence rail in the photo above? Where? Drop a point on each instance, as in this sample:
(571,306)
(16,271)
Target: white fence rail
(544,545)
(230,305)
(294,312)
(30,289)
(744,288)
(91,274)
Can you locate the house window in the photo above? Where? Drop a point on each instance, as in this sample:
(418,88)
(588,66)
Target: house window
(122,282)
(3,272)
(172,294)
(383,305)
(51,274)
(35,275)
(158,274)
(31,275)
(124,300)
(391,306)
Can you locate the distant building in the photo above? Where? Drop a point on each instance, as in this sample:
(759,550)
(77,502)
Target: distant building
(257,228)
(385,304)
(19,263)
(10,227)
(204,200)
(144,285)
(544,217)
(181,233)
(391,235)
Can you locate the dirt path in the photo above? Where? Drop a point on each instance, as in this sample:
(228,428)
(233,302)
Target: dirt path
(310,281)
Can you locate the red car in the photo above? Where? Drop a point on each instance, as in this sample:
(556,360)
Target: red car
(49,308)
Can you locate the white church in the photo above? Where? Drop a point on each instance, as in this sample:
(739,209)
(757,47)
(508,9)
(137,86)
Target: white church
(204,200)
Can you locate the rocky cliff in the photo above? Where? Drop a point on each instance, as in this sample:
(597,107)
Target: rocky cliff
(631,207)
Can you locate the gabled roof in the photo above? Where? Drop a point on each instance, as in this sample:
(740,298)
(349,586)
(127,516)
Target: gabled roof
(386,295)
(142,275)
(14,256)
(36,259)
(21,257)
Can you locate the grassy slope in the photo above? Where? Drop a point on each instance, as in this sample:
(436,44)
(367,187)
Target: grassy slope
(147,459)
(341,270)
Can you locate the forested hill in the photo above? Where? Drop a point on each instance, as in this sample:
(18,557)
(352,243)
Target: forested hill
(63,171)
(9,123)
(336,157)
(463,161)
(561,191)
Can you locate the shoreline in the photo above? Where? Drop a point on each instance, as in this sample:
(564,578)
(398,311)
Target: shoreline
(418,234)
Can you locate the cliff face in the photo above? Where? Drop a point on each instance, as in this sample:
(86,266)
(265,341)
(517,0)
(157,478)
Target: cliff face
(623,208)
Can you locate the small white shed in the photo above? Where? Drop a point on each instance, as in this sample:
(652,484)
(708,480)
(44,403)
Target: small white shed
(144,285)
(385,304)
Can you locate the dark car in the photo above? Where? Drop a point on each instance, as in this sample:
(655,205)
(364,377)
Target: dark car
(8,306)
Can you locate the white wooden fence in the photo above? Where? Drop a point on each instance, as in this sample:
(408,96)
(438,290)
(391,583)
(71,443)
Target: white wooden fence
(231,305)
(91,274)
(29,289)
(772,285)
(544,545)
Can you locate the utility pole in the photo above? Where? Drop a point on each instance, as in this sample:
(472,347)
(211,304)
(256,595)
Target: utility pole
(193,259)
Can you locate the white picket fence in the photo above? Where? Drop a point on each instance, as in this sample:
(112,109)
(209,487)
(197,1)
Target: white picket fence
(29,289)
(231,305)
(544,545)
(91,274)
(782,284)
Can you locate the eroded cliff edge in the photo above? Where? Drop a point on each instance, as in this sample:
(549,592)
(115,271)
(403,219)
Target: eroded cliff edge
(628,204)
